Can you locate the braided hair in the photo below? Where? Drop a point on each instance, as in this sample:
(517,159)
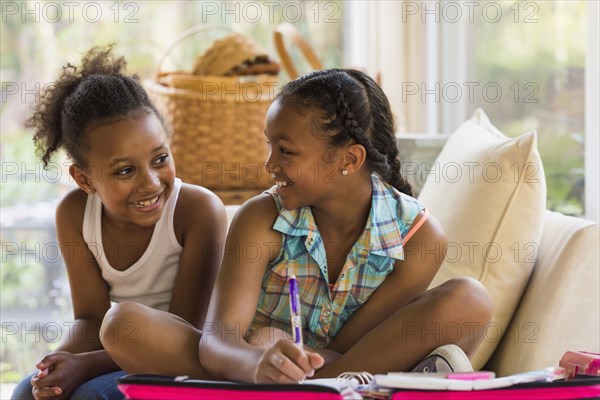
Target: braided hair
(352,108)
(96,91)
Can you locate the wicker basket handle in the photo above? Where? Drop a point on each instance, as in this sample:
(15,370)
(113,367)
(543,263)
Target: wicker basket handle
(288,30)
(180,38)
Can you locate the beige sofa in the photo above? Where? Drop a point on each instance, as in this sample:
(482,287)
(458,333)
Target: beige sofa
(559,309)
(540,267)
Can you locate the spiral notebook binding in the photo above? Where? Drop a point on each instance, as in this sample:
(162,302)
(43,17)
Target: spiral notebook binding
(363,378)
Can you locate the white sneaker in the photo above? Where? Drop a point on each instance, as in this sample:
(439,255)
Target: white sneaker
(447,358)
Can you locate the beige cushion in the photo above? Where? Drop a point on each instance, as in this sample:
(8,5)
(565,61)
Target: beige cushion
(489,193)
(560,308)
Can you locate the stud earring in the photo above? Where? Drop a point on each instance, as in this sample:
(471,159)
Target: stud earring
(344,172)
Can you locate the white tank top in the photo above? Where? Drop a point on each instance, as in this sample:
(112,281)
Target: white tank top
(150,279)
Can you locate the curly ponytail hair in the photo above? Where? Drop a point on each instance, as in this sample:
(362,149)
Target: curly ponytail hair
(353,108)
(97,90)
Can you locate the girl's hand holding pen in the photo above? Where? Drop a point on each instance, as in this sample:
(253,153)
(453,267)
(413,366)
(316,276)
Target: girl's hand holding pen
(285,362)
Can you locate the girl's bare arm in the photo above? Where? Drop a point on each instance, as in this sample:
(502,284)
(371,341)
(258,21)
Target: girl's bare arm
(200,223)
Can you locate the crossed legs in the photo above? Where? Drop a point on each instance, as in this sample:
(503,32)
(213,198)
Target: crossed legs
(141,339)
(144,340)
(455,312)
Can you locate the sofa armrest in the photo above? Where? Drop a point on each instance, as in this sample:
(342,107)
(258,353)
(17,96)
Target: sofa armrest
(560,309)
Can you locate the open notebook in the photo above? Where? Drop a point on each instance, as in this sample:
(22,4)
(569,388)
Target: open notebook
(544,384)
(158,387)
(466,381)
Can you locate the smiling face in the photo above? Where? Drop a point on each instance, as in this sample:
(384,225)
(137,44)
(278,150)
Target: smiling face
(304,169)
(131,169)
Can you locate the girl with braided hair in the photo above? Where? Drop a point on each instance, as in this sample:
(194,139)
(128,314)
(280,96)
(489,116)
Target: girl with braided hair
(132,233)
(342,220)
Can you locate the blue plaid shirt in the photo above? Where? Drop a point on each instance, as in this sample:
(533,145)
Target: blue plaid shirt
(369,262)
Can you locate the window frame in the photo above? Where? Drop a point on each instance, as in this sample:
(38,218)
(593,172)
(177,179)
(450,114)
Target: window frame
(592,117)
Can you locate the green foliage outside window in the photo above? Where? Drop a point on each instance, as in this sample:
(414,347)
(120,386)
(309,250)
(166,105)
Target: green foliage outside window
(539,62)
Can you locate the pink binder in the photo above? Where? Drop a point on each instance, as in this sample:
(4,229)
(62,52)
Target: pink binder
(155,387)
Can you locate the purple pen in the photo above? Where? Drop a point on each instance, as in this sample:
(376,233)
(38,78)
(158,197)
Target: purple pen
(296,314)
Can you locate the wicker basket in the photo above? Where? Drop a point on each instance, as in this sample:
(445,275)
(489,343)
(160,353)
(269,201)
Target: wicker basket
(287,30)
(217,127)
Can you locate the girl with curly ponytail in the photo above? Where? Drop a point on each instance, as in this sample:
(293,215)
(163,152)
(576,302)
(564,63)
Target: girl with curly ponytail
(131,233)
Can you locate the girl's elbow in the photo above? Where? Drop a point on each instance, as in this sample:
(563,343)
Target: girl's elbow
(208,351)
(205,356)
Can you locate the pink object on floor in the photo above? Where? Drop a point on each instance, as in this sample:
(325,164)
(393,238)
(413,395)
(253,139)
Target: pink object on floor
(580,363)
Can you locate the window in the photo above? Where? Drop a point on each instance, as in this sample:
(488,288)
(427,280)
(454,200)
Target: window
(528,64)
(532,60)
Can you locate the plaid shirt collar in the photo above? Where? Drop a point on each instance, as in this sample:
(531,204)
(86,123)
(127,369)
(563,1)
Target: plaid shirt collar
(381,230)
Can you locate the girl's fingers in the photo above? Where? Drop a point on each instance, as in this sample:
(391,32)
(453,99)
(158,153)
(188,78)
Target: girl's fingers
(43,373)
(299,357)
(48,391)
(277,360)
(287,363)
(35,381)
(46,382)
(316,360)
(284,369)
(45,362)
